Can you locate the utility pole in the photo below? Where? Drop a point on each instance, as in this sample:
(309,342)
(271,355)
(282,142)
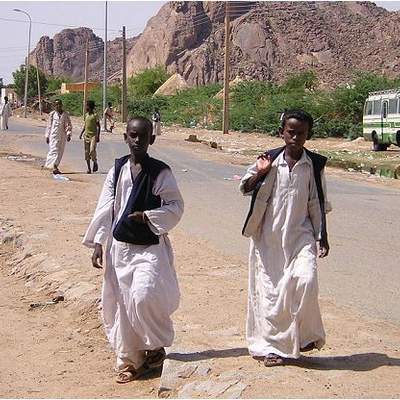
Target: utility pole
(124,88)
(27,61)
(38,85)
(86,77)
(105,67)
(225,120)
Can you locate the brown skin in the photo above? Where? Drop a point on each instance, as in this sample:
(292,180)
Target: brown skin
(138,138)
(295,134)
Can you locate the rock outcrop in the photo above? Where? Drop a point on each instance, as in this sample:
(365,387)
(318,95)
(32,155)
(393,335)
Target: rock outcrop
(64,55)
(270,40)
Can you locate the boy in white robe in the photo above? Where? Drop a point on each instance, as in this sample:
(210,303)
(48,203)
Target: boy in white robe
(58,132)
(5,113)
(285,222)
(140,287)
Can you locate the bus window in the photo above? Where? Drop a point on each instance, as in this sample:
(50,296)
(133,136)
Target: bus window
(392,106)
(368,108)
(385,109)
(377,107)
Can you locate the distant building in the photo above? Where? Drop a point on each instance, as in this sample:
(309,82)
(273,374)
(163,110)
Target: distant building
(10,93)
(77,87)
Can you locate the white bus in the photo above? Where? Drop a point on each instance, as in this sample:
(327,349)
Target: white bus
(381,119)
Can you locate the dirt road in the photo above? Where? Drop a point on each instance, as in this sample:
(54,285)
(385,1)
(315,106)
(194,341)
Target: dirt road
(60,351)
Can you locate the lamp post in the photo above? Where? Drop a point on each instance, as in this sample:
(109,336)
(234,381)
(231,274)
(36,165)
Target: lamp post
(27,60)
(105,67)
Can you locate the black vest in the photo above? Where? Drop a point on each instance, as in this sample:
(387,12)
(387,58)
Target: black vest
(140,199)
(318,162)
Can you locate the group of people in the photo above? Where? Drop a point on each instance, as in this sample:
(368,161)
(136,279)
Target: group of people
(140,204)
(59,130)
(5,114)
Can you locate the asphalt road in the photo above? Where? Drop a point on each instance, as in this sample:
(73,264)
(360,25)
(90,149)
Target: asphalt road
(363,269)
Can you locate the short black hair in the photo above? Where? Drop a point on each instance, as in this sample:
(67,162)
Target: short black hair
(91,104)
(300,115)
(58,101)
(146,122)
(109,104)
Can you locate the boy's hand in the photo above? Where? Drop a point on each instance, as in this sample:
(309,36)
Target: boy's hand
(264,164)
(47,140)
(97,257)
(97,138)
(139,217)
(68,138)
(80,136)
(323,248)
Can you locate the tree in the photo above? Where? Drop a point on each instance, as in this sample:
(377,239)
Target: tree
(19,81)
(147,82)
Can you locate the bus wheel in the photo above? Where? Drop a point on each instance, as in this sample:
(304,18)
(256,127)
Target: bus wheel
(376,146)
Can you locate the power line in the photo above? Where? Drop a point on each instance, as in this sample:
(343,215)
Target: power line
(60,25)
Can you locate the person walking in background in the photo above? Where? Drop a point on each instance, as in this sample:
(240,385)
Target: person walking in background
(91,131)
(109,117)
(156,119)
(58,132)
(5,113)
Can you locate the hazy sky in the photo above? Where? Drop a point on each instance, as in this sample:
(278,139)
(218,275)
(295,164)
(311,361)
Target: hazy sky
(133,14)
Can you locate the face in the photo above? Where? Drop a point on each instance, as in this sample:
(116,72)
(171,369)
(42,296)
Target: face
(137,137)
(295,133)
(58,106)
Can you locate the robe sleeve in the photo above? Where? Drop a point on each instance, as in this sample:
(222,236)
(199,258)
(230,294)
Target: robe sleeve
(252,170)
(68,125)
(48,126)
(328,205)
(166,217)
(101,224)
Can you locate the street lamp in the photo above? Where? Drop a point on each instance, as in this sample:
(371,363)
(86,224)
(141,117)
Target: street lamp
(27,60)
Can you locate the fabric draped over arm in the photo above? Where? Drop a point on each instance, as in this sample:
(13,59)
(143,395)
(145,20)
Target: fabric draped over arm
(166,217)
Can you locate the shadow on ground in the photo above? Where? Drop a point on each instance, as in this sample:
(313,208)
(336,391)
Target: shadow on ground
(354,362)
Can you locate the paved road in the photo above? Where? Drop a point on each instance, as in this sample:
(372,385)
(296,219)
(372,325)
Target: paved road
(363,268)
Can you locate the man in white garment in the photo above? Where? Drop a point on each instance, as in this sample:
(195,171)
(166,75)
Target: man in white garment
(285,223)
(139,204)
(5,113)
(58,132)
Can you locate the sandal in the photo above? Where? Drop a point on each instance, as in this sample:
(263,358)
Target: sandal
(272,360)
(309,347)
(155,358)
(130,374)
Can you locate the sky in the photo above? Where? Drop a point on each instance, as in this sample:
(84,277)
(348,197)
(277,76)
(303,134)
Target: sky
(133,14)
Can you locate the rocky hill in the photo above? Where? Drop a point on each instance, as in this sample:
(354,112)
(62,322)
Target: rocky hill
(270,40)
(64,55)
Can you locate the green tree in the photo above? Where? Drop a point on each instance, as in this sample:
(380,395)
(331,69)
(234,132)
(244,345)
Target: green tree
(19,81)
(147,82)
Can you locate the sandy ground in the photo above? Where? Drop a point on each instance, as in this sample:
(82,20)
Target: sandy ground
(60,350)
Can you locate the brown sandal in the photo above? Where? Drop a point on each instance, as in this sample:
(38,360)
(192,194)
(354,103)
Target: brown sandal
(131,374)
(272,360)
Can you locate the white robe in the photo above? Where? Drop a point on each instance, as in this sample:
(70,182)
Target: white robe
(283,311)
(5,113)
(140,287)
(58,128)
